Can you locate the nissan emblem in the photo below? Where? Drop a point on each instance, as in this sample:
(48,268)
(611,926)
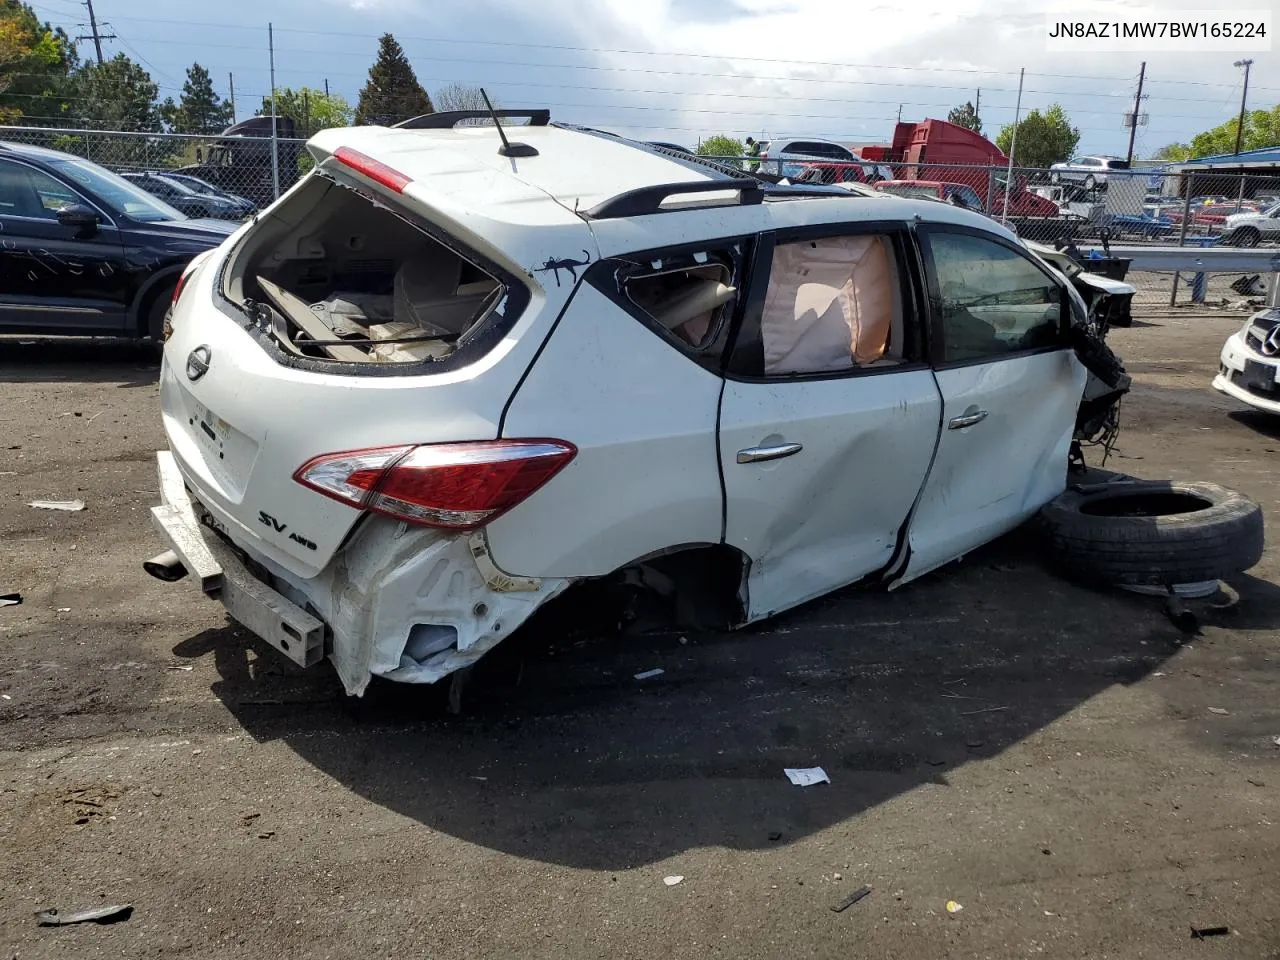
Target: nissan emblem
(198,362)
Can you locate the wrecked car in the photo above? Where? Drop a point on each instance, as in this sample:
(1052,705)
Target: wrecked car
(1249,367)
(448,377)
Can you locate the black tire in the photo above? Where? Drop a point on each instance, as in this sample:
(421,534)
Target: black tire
(1245,237)
(155,310)
(1090,182)
(1149,533)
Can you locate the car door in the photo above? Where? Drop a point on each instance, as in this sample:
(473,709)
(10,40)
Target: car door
(1269,223)
(55,277)
(829,415)
(1010,389)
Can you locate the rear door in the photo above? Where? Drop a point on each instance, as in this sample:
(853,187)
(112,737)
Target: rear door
(829,416)
(54,277)
(1010,389)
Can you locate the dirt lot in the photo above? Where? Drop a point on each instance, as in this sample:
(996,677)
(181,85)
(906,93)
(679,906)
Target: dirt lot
(1042,754)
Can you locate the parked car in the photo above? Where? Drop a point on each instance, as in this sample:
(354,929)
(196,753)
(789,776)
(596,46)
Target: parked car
(1250,229)
(775,154)
(825,171)
(190,201)
(203,186)
(85,251)
(1022,203)
(1249,367)
(406,409)
(1088,171)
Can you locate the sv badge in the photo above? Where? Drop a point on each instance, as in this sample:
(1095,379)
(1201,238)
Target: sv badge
(267,520)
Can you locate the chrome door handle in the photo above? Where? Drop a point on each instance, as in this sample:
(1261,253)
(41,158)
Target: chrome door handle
(775,452)
(967,420)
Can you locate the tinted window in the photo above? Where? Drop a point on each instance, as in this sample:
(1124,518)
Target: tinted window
(117,192)
(27,192)
(812,149)
(991,299)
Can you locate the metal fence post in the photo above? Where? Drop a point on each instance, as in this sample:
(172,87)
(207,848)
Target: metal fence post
(1189,180)
(991,186)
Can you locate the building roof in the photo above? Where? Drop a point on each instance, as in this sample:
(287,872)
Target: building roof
(1266,157)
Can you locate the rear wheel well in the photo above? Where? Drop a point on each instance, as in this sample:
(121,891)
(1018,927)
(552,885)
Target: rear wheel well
(690,587)
(159,291)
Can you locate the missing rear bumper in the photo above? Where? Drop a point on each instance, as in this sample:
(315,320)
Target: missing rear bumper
(220,574)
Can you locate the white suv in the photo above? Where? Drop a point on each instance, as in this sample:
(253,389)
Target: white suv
(443,380)
(1087,171)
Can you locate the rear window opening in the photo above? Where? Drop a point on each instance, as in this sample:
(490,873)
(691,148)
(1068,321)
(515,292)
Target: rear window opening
(686,300)
(332,275)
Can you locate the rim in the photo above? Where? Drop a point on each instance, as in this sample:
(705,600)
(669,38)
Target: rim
(1145,504)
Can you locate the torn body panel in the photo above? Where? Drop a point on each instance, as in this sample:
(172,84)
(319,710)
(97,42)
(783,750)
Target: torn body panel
(392,581)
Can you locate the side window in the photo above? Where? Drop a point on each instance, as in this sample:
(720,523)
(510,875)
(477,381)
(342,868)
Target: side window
(27,192)
(832,304)
(991,299)
(688,296)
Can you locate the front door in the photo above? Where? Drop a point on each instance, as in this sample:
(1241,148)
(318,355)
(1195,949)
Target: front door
(1010,391)
(829,416)
(54,277)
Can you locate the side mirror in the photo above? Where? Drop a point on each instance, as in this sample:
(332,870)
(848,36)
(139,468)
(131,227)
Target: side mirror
(80,217)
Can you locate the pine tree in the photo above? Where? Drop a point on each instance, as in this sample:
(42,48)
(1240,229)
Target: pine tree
(966,116)
(200,110)
(392,92)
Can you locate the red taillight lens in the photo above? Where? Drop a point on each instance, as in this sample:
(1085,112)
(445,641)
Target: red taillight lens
(177,289)
(375,170)
(453,485)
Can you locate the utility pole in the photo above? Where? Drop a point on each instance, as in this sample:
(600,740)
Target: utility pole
(93,34)
(1137,106)
(326,88)
(899,113)
(977,107)
(275,137)
(231,79)
(1013,146)
(1244,96)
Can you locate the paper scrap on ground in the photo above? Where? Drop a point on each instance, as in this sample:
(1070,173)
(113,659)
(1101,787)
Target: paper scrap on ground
(953,907)
(672,881)
(1218,710)
(656,672)
(807,776)
(71,506)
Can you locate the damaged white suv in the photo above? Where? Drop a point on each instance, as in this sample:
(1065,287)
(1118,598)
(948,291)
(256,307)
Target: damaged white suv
(446,377)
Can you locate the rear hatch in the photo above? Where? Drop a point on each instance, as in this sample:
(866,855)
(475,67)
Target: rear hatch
(352,315)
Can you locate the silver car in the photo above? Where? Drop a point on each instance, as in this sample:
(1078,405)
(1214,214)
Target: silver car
(1249,229)
(1087,171)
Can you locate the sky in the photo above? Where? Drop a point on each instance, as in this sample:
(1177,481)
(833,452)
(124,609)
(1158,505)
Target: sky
(681,70)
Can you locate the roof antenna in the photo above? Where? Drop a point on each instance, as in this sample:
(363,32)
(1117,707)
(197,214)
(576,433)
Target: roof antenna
(508,149)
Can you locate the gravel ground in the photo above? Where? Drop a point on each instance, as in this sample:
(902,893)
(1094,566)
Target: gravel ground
(1044,755)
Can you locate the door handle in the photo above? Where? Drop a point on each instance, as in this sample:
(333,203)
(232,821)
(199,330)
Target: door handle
(968,419)
(774,452)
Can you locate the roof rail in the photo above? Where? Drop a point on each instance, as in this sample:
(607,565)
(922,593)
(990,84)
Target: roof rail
(645,200)
(451,118)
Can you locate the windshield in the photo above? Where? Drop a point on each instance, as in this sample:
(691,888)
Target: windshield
(116,192)
(193,185)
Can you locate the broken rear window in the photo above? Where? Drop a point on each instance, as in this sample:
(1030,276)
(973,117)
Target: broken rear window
(334,275)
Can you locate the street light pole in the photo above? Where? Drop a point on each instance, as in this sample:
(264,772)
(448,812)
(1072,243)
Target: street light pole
(1244,95)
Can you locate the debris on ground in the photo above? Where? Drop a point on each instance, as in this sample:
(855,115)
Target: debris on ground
(1199,933)
(649,674)
(806,776)
(10,599)
(673,880)
(1276,741)
(954,907)
(1219,711)
(54,918)
(850,900)
(70,506)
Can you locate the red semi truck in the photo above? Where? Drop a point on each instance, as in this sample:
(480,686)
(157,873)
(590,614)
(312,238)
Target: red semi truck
(935,150)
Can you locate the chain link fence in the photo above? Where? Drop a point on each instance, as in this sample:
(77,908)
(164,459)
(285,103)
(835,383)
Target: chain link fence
(1080,208)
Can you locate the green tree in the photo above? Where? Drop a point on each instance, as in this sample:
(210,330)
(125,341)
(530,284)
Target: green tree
(392,93)
(309,109)
(118,95)
(720,145)
(965,115)
(1261,129)
(36,61)
(200,110)
(1043,138)
(1172,151)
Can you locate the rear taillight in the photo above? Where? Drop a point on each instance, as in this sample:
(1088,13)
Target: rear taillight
(453,485)
(177,289)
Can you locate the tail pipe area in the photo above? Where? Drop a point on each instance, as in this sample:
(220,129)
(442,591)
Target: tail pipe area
(165,566)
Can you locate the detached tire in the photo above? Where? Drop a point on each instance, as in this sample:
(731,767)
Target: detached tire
(1147,533)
